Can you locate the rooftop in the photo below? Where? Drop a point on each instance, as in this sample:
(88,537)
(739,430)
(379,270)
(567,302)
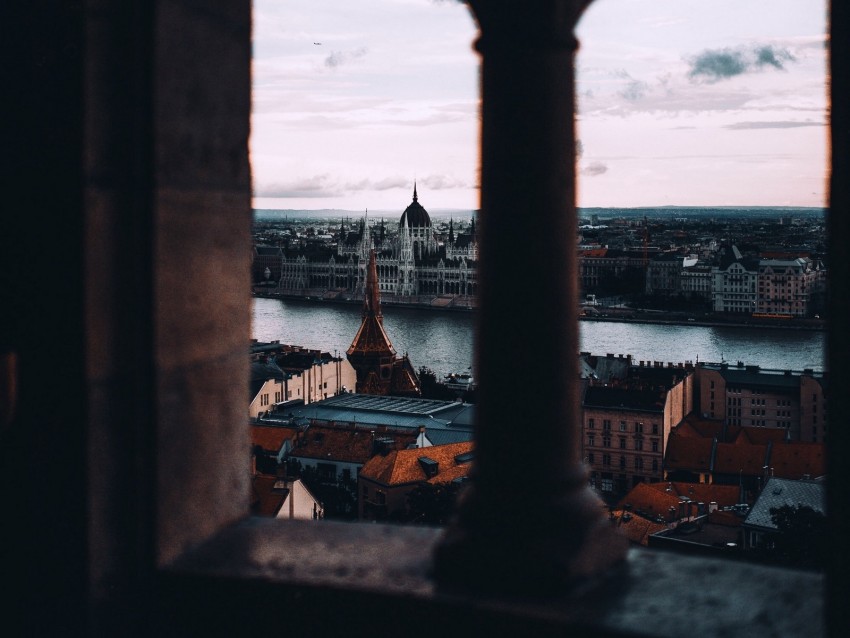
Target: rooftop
(779,492)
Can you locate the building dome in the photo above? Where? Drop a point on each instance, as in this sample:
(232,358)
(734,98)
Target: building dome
(415,215)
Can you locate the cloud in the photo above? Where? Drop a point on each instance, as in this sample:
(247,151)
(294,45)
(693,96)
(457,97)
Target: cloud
(594,168)
(441,181)
(314,186)
(324,185)
(741,126)
(338,58)
(714,65)
(634,91)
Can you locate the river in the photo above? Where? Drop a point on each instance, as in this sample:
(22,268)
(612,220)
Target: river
(443,340)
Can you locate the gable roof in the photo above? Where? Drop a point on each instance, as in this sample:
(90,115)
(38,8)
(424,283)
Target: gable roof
(265,499)
(402,467)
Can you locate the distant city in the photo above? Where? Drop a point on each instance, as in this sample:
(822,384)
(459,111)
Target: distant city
(725,457)
(738,264)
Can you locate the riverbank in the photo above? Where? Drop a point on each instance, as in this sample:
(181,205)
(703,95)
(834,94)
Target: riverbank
(467,304)
(454,303)
(710,320)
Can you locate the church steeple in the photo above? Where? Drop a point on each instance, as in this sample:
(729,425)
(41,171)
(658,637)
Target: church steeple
(415,196)
(379,370)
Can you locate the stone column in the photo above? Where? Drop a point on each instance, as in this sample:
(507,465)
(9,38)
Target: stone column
(528,521)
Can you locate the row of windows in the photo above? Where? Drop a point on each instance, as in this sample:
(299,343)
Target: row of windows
(638,462)
(606,442)
(623,426)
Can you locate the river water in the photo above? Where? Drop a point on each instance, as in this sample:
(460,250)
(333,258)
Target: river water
(443,340)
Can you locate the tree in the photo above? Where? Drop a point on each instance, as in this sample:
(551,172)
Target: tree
(800,537)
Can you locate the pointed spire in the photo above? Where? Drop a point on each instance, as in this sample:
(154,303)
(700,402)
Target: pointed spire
(451,231)
(372,300)
(415,196)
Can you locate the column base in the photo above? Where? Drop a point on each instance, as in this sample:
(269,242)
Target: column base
(543,546)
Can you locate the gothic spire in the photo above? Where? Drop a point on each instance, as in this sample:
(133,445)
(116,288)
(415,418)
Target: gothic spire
(415,196)
(372,301)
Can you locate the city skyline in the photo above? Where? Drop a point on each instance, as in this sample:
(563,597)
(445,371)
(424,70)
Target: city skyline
(679,103)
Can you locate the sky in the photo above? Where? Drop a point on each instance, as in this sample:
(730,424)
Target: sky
(680,102)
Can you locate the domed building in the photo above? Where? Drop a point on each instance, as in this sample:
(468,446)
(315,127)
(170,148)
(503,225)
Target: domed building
(417,219)
(411,265)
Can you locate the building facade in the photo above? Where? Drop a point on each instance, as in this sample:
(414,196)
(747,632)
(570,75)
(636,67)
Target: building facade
(626,423)
(410,263)
(794,401)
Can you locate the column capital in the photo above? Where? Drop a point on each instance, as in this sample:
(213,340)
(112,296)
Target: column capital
(536,24)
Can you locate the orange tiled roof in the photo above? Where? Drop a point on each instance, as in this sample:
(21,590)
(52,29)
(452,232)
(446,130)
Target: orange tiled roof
(636,528)
(271,438)
(694,426)
(402,467)
(760,436)
(796,459)
(347,444)
(265,500)
(732,458)
(650,500)
(688,453)
(723,495)
(593,252)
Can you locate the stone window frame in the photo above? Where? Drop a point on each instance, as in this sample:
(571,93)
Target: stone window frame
(164,569)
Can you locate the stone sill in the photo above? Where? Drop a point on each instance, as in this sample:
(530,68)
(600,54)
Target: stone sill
(367,579)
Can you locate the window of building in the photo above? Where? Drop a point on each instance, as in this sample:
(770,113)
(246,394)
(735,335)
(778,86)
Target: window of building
(622,443)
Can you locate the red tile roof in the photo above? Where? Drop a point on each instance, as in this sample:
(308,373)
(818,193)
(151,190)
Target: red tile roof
(760,436)
(650,501)
(794,460)
(347,444)
(271,438)
(636,528)
(694,426)
(732,459)
(688,453)
(706,493)
(265,500)
(402,467)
